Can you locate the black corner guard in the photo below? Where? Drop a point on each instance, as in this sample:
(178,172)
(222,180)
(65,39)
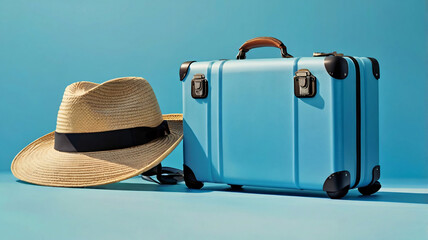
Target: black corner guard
(376,174)
(375,67)
(337,181)
(336,66)
(184,68)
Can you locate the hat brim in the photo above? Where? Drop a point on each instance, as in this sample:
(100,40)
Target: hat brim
(41,164)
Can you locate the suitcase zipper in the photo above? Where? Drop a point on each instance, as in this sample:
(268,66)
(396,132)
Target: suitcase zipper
(358,109)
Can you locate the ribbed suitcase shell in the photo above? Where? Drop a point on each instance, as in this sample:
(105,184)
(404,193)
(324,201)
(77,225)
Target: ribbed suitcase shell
(251,129)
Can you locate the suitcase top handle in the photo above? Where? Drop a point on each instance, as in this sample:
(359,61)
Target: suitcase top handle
(262,42)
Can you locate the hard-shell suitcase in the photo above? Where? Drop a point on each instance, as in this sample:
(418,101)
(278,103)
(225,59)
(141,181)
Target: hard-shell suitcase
(291,122)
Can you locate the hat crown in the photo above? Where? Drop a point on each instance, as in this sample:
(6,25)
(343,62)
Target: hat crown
(116,104)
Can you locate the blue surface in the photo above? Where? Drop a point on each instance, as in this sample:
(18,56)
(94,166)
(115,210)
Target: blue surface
(252,130)
(47,45)
(139,210)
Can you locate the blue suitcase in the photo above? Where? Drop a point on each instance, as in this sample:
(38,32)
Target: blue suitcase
(291,122)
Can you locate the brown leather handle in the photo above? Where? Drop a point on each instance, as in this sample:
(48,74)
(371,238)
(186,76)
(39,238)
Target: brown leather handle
(262,42)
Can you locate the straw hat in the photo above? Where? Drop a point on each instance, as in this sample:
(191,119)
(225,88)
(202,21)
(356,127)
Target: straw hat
(105,133)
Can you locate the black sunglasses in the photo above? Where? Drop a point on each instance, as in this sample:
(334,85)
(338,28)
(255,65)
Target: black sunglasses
(164,175)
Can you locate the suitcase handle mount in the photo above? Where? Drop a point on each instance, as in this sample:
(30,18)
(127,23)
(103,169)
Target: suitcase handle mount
(262,42)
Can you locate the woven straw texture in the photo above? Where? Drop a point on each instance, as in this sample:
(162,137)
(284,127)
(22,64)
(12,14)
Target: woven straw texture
(116,104)
(90,107)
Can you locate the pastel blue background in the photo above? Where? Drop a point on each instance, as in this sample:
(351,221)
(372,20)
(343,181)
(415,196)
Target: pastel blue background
(47,45)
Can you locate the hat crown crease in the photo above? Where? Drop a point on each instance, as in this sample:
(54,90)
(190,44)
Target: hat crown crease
(116,104)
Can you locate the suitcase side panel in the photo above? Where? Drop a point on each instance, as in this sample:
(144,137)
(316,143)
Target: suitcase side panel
(348,103)
(196,125)
(326,126)
(369,121)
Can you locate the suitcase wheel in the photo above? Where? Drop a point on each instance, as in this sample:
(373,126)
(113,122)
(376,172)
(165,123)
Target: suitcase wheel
(190,179)
(370,189)
(338,194)
(235,187)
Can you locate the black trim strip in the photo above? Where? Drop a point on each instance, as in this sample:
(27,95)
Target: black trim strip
(109,140)
(358,108)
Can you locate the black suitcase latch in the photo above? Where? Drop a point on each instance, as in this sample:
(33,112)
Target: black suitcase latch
(199,86)
(304,84)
